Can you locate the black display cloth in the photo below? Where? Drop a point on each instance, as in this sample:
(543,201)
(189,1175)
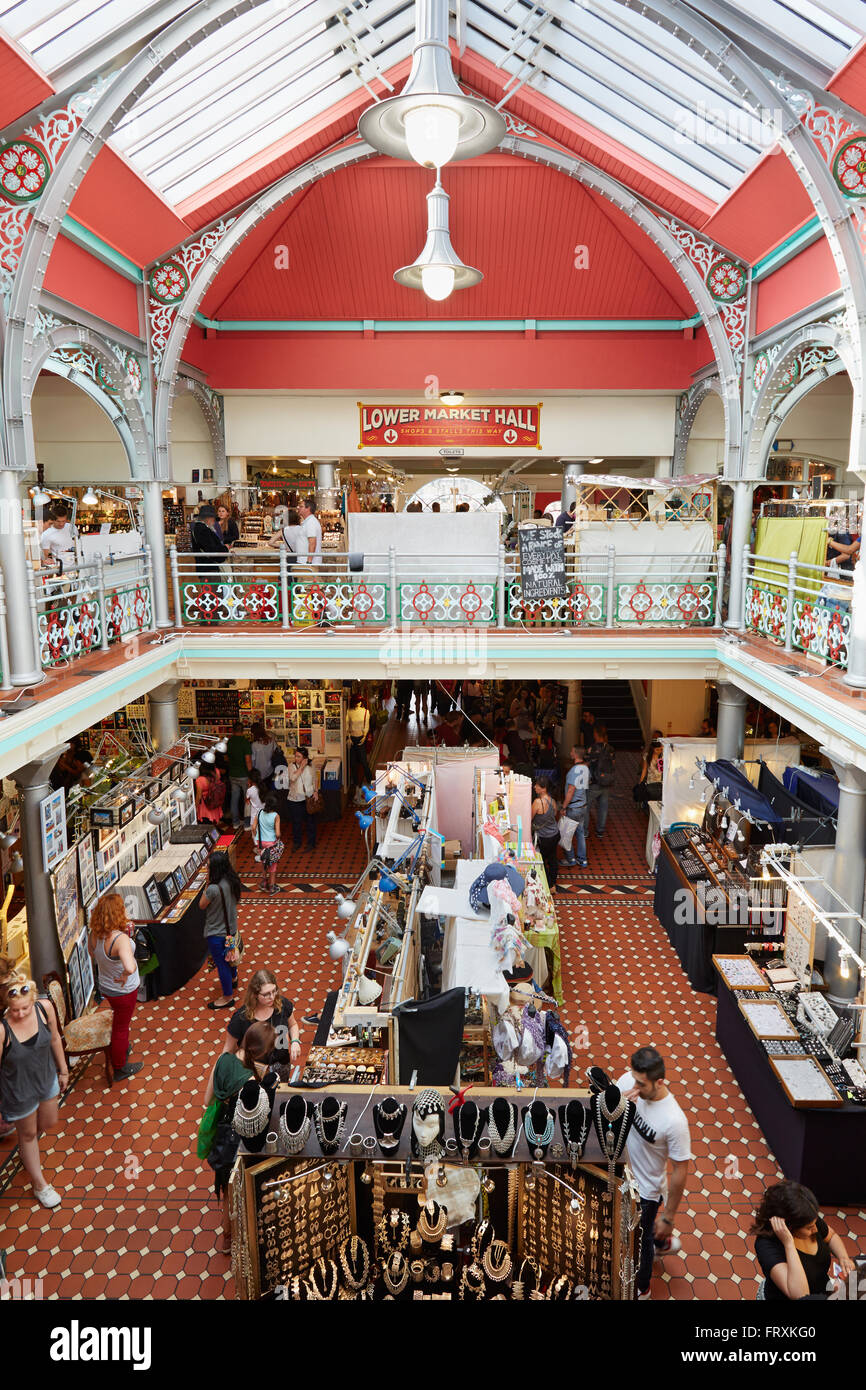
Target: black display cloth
(695,942)
(823,1149)
(182,950)
(430,1037)
(806,826)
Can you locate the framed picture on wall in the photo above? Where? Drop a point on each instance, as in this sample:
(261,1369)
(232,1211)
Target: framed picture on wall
(64,882)
(207,475)
(75,990)
(85,967)
(86,870)
(196,475)
(52,819)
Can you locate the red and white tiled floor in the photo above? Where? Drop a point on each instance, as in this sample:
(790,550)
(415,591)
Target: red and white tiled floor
(138,1219)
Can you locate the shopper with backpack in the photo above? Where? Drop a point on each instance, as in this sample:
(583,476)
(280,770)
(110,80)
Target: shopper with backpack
(210,794)
(602,771)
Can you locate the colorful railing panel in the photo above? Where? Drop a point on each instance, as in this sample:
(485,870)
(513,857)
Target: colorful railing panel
(339,601)
(445,601)
(666,603)
(70,628)
(584,607)
(210,601)
(821,628)
(127,611)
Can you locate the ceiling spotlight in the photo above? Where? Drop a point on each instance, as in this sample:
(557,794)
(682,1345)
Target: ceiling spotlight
(371,472)
(156,816)
(273,467)
(432,121)
(17,865)
(41,498)
(194,769)
(438,270)
(456,469)
(89,498)
(8,840)
(451,397)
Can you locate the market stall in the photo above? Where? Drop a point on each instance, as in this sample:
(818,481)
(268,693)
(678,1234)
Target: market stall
(501,1199)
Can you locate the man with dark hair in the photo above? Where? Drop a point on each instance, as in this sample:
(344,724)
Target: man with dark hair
(312,529)
(602,773)
(240,762)
(648,1158)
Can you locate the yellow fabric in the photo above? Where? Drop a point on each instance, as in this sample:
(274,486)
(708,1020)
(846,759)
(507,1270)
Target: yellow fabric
(776,537)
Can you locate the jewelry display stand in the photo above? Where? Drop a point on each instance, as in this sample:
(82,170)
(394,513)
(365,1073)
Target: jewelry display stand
(533,1229)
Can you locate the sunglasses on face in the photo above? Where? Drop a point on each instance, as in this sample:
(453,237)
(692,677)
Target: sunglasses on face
(13,990)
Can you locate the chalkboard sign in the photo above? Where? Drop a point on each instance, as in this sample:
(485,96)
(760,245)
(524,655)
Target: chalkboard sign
(542,563)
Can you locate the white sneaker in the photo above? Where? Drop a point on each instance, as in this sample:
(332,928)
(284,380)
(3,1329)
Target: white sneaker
(673,1245)
(47,1196)
(643,1297)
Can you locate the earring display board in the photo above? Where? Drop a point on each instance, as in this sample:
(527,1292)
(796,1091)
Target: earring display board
(799,937)
(767,1018)
(805,1083)
(301,1217)
(579,1244)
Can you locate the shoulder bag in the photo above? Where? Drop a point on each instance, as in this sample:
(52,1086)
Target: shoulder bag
(314,802)
(234,945)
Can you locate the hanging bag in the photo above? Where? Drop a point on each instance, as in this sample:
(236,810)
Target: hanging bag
(234,942)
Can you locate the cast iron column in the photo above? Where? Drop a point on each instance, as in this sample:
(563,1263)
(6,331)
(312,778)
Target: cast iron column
(33,786)
(162,706)
(731,722)
(26,667)
(847,876)
(154,531)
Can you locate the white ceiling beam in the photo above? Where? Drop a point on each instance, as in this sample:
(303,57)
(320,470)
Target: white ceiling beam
(801,51)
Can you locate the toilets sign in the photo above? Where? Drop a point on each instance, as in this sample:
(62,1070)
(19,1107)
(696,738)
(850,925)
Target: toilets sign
(447,426)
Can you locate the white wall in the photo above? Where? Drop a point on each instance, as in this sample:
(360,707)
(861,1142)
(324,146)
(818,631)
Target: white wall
(75,440)
(705,451)
(677,707)
(289,424)
(190,441)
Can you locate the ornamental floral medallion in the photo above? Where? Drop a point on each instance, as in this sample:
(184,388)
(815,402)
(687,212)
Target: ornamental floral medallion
(168,282)
(24,169)
(726,280)
(849,167)
(762,367)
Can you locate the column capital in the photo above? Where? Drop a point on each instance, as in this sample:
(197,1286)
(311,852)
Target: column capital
(37,772)
(851,778)
(730,694)
(166,693)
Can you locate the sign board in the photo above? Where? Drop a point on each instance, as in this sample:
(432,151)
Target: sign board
(542,563)
(452,453)
(422,426)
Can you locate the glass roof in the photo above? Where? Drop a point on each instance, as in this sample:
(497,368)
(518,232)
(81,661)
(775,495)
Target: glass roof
(267,72)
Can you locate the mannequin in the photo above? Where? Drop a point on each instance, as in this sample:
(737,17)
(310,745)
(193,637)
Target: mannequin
(538,1125)
(428,1124)
(330,1121)
(389,1118)
(502,1126)
(294,1125)
(574,1121)
(613,1117)
(469,1121)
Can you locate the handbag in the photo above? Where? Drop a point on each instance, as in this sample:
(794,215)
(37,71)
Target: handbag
(224,1147)
(314,802)
(234,949)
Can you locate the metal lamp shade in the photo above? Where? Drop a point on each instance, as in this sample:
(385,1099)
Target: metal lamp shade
(438,253)
(432,84)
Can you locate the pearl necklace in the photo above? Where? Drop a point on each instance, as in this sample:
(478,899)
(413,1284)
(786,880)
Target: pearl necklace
(502,1143)
(538,1142)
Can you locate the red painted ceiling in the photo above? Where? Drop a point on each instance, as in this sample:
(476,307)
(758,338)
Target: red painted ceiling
(520,223)
(763,210)
(22,85)
(849,83)
(118,205)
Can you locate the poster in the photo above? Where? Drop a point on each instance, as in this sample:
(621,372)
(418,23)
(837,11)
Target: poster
(85,966)
(52,819)
(426,426)
(542,563)
(86,870)
(64,882)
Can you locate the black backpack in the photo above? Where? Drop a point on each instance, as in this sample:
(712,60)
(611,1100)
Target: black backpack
(604,766)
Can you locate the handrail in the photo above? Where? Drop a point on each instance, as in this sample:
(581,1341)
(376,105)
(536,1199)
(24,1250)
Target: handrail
(87,607)
(799,605)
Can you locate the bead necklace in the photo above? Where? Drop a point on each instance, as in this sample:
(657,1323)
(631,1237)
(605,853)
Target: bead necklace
(329,1128)
(538,1142)
(496,1261)
(502,1143)
(574,1147)
(472,1282)
(322,1280)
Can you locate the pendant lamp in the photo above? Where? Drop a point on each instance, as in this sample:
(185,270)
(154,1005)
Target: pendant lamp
(438,270)
(432,121)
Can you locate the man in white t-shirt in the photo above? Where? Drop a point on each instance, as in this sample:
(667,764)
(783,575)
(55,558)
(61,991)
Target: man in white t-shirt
(664,1120)
(58,539)
(574,807)
(312,529)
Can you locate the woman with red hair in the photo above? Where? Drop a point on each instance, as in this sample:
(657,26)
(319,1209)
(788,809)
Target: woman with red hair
(114,957)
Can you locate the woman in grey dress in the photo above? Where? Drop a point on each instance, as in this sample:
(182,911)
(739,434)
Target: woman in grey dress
(33,1072)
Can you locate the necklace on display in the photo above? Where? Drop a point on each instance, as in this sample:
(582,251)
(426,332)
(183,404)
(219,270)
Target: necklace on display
(388,1123)
(394,1231)
(467,1143)
(322,1280)
(355,1262)
(574,1146)
(538,1142)
(502,1143)
(329,1128)
(432,1222)
(295,1140)
(396,1274)
(612,1140)
(249,1123)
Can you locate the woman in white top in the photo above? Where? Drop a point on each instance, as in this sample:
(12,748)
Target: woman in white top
(302,783)
(253,797)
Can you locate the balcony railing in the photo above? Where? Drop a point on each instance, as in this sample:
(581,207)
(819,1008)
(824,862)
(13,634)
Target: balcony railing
(799,607)
(607,591)
(91,606)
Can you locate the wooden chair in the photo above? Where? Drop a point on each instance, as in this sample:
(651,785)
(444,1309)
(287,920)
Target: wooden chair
(81,1036)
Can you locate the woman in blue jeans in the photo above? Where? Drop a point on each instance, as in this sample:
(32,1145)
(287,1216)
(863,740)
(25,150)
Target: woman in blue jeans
(220,903)
(302,783)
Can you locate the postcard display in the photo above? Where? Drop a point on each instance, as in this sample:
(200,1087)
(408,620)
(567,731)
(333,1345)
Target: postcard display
(120,840)
(311,717)
(370,1218)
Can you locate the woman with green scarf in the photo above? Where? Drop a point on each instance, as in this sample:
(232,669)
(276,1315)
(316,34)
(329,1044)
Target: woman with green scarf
(230,1074)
